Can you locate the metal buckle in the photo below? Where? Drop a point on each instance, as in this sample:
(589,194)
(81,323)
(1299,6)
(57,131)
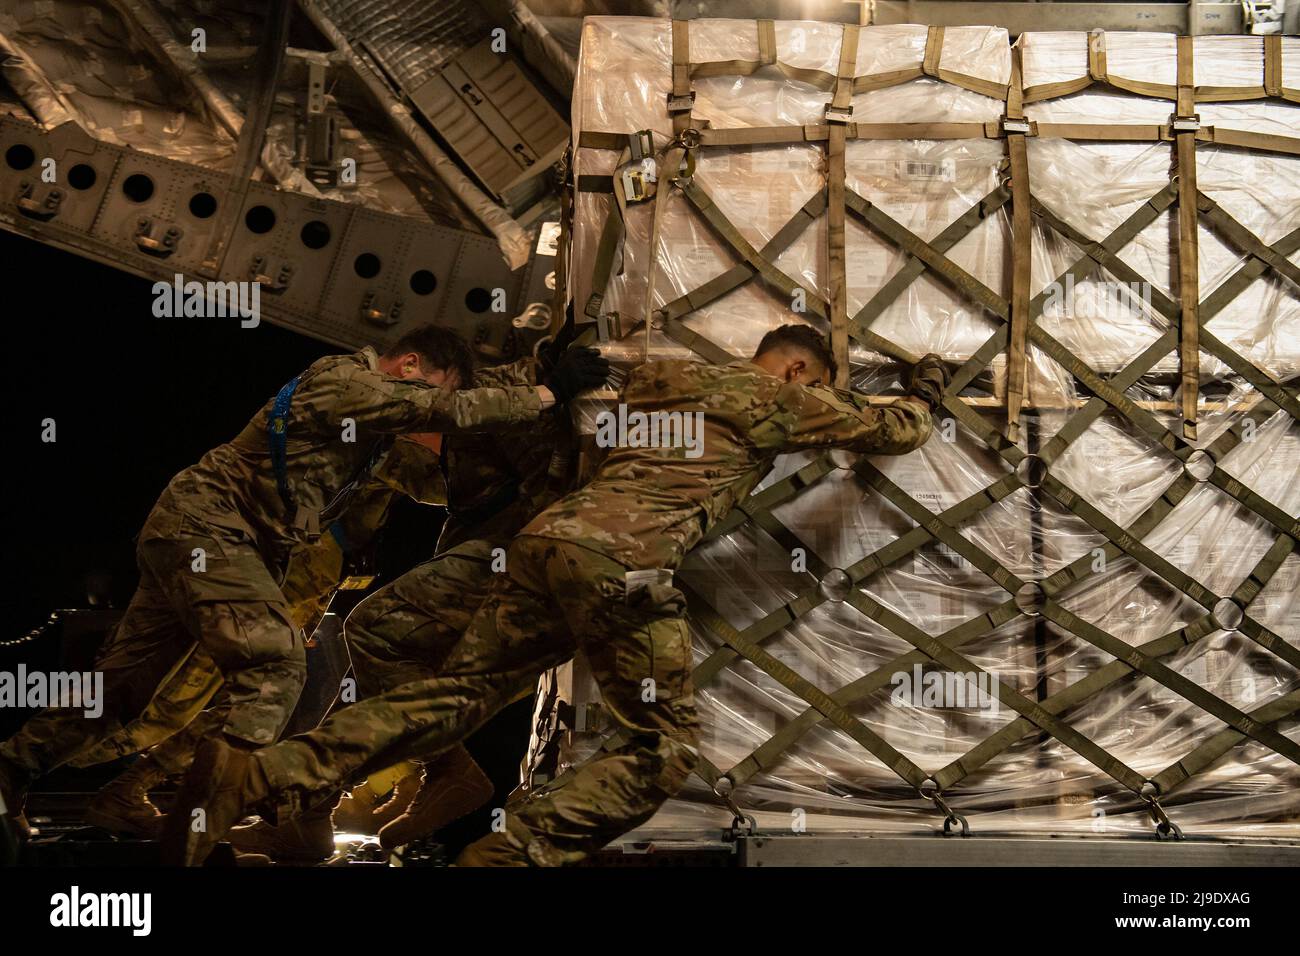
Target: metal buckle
(609,327)
(641,144)
(638,181)
(681,104)
(839,114)
(1185,124)
(1015,126)
(592,309)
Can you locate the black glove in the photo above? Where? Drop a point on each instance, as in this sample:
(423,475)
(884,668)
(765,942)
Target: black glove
(928,379)
(551,349)
(576,371)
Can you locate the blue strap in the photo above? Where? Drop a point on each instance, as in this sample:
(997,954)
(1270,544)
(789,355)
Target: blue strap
(277,434)
(338,534)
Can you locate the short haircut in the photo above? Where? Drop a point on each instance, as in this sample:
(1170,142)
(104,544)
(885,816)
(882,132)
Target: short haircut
(439,348)
(802,338)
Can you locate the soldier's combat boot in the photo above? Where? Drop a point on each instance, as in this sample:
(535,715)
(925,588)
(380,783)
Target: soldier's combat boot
(495,849)
(222,785)
(306,839)
(123,805)
(452,786)
(356,811)
(364,813)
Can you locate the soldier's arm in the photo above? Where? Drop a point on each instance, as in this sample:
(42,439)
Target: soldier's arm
(411,468)
(832,418)
(521,372)
(382,403)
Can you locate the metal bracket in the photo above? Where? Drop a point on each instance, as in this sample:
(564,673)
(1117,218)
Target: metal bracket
(641,144)
(1016,126)
(157,237)
(32,208)
(609,326)
(681,104)
(1185,124)
(259,273)
(638,181)
(377,315)
(839,114)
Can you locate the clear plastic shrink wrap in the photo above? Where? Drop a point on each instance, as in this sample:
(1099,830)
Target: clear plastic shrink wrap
(1034,783)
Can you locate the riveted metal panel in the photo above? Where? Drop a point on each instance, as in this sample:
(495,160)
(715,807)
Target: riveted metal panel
(70,148)
(324,295)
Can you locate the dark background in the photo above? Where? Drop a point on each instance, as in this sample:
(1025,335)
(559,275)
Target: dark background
(136,399)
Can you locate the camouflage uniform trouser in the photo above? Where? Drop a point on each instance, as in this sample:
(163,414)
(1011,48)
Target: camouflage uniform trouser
(557,598)
(187,706)
(233,609)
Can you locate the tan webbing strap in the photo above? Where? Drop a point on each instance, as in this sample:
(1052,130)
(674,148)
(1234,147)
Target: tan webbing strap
(1273,64)
(924,131)
(736,276)
(603,267)
(762,135)
(941,265)
(1029,709)
(1021,246)
(611,237)
(727,231)
(1188,266)
(805,690)
(1245,240)
(1050,91)
(837,114)
(1102,132)
(914,266)
(1218,745)
(599,139)
(933,51)
(1166,676)
(1097,57)
(1266,142)
(766,42)
(681,101)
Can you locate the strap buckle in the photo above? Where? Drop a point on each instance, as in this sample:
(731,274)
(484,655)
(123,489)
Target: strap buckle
(839,114)
(609,327)
(641,144)
(638,181)
(1010,125)
(592,309)
(681,103)
(1185,124)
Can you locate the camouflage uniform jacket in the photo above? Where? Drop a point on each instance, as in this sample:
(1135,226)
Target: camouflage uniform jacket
(496,483)
(233,488)
(647,506)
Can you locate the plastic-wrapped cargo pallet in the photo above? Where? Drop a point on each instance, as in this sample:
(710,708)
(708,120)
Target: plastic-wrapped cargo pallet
(1115,563)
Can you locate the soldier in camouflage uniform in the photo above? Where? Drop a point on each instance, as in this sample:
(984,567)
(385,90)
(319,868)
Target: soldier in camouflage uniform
(593,572)
(214,547)
(494,485)
(181,713)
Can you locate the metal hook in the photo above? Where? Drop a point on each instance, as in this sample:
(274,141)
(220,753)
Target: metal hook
(951,816)
(1165,828)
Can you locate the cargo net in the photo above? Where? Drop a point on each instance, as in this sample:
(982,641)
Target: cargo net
(1075,608)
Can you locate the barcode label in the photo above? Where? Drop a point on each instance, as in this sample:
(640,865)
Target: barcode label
(942,171)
